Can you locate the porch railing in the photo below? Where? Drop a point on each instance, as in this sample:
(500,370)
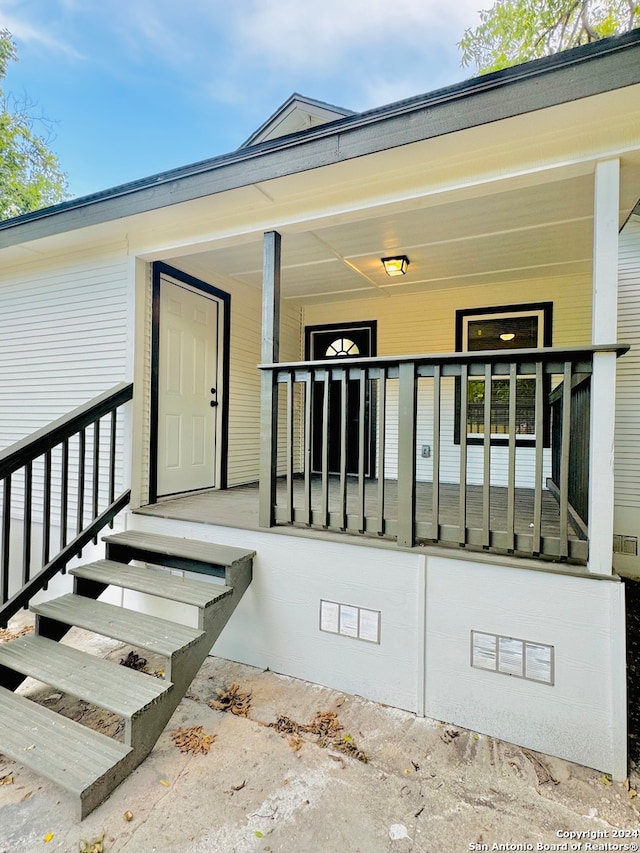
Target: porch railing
(399,447)
(58,492)
(571,468)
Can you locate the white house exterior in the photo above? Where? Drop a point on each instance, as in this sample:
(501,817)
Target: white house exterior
(512,196)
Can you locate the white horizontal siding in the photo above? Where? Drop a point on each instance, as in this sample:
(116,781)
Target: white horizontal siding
(244,380)
(627,455)
(425,323)
(63,337)
(63,340)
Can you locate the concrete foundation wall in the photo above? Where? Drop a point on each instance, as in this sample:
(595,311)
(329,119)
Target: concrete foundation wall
(428,607)
(581,716)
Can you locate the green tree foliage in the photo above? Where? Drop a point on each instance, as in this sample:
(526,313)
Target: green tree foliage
(30,175)
(514,31)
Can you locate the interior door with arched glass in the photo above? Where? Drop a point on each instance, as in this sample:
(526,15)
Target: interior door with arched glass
(345,340)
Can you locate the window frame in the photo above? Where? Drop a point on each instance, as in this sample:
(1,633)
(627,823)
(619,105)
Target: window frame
(544,311)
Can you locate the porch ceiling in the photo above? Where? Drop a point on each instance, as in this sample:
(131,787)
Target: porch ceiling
(526,233)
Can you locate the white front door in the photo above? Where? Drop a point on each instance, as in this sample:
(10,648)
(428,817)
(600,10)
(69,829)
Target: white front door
(188,388)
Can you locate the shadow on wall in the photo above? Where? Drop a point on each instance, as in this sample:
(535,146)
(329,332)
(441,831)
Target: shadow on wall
(632,597)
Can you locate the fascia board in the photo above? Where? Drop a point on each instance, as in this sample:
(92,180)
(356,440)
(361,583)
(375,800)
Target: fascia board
(522,89)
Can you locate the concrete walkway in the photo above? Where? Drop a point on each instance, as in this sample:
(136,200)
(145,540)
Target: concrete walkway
(426,787)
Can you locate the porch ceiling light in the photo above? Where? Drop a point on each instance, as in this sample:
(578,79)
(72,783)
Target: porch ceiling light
(395,266)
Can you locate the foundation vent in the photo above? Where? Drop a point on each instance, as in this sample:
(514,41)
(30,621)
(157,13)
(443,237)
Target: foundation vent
(627,545)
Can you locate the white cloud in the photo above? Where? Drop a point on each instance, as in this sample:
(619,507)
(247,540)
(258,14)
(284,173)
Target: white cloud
(25,30)
(248,53)
(294,34)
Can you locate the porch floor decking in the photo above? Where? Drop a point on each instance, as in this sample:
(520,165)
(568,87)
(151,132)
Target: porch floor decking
(238,507)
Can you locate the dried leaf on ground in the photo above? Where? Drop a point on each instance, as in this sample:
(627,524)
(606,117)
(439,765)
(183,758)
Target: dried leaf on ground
(449,735)
(326,726)
(192,740)
(95,845)
(295,742)
(285,725)
(6,780)
(232,699)
(349,748)
(326,730)
(134,661)
(7,634)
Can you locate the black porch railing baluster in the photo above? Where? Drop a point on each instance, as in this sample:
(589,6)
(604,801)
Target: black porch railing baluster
(6,537)
(407,408)
(112,458)
(435,477)
(511,471)
(487,493)
(362,451)
(290,447)
(382,415)
(64,492)
(539,462)
(20,457)
(344,402)
(462,514)
(486,441)
(82,463)
(46,508)
(26,522)
(96,472)
(564,461)
(308,390)
(324,491)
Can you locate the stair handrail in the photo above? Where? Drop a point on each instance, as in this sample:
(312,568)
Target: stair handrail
(21,455)
(36,443)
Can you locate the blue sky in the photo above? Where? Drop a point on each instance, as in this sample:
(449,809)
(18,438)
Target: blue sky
(135,87)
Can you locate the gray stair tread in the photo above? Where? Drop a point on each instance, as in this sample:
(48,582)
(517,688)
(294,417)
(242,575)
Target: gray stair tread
(108,685)
(68,753)
(137,629)
(154,582)
(193,549)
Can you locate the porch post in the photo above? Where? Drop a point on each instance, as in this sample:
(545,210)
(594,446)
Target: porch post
(603,380)
(270,353)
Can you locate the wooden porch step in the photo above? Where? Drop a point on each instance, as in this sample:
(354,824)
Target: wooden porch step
(152,581)
(108,685)
(188,554)
(137,629)
(78,759)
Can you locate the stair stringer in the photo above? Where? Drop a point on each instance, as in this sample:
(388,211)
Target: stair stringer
(146,728)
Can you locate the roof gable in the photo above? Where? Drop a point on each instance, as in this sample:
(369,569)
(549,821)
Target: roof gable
(296,114)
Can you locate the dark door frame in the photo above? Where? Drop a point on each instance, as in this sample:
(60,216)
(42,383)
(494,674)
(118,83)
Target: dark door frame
(371,326)
(159,268)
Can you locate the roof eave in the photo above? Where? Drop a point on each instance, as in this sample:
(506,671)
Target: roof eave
(603,66)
